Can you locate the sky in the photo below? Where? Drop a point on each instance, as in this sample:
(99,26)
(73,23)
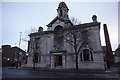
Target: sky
(22,16)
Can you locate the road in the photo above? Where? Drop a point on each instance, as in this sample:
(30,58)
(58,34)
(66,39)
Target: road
(22,73)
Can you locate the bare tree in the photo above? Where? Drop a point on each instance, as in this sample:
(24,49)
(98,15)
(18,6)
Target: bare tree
(27,32)
(32,45)
(75,21)
(35,54)
(72,36)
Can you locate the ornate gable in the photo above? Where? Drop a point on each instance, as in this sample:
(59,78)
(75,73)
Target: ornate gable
(62,17)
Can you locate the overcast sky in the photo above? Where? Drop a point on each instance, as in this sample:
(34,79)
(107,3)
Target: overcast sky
(21,16)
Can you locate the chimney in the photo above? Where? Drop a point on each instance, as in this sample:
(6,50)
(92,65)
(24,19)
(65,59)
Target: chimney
(109,54)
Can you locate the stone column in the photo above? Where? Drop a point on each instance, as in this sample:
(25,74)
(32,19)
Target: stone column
(63,62)
(52,61)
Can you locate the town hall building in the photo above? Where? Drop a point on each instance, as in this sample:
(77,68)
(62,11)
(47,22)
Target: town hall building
(63,42)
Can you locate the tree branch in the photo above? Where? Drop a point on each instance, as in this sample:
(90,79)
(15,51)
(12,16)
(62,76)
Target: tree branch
(80,47)
(69,41)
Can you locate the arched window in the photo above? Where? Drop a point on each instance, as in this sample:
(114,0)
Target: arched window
(86,55)
(58,30)
(60,12)
(58,37)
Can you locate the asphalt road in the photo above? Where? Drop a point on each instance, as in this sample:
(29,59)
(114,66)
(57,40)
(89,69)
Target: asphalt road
(11,73)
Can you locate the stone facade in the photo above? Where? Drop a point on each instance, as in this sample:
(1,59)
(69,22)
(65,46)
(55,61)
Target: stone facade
(55,52)
(117,54)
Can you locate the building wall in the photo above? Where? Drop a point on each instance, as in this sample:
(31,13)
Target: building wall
(95,44)
(117,54)
(12,54)
(7,56)
(47,51)
(117,59)
(69,57)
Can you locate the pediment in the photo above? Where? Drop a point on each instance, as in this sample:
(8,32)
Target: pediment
(58,20)
(54,21)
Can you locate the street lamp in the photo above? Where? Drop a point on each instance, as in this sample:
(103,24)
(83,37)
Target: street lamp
(20,39)
(27,54)
(8,59)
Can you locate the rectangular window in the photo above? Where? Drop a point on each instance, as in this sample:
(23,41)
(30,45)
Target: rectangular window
(60,41)
(86,55)
(38,43)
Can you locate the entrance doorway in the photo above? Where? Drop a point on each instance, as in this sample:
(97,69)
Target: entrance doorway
(58,60)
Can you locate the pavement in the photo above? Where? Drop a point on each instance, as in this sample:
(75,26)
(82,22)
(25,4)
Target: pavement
(111,70)
(110,74)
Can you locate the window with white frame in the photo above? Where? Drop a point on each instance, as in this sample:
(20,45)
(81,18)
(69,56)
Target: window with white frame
(86,55)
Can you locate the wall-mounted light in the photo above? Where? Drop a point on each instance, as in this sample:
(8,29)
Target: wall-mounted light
(27,54)
(20,53)
(8,59)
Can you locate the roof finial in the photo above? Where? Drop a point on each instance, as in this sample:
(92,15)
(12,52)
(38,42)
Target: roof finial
(94,18)
(40,29)
(62,4)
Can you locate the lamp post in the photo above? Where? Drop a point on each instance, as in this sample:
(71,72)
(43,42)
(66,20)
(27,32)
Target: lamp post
(26,58)
(20,59)
(20,39)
